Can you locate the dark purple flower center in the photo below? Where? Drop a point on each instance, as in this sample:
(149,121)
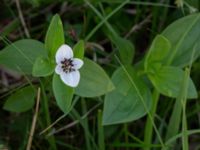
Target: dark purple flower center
(67,65)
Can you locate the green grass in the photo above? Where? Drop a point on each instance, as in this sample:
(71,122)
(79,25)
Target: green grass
(170,124)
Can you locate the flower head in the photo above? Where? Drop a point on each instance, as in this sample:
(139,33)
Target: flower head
(67,66)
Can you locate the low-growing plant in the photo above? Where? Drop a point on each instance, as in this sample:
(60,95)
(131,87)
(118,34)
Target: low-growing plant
(128,91)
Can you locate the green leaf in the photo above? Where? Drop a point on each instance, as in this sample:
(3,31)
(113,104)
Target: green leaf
(21,55)
(124,104)
(168,81)
(184,36)
(63,94)
(158,51)
(55,36)
(42,67)
(21,101)
(94,81)
(125,48)
(79,50)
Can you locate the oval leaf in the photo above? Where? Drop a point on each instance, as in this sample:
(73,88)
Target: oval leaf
(124,104)
(21,55)
(125,48)
(42,67)
(184,35)
(55,36)
(79,50)
(94,81)
(157,52)
(63,94)
(168,81)
(21,101)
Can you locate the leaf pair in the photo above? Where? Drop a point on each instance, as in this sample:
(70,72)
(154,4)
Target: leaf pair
(44,65)
(163,66)
(165,78)
(93,82)
(168,52)
(130,100)
(127,102)
(33,57)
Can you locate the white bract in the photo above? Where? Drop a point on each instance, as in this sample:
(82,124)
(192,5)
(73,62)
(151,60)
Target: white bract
(67,66)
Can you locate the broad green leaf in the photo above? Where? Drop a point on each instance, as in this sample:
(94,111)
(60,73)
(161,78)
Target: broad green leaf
(55,36)
(63,94)
(184,36)
(125,102)
(158,51)
(168,81)
(125,48)
(94,81)
(42,67)
(21,55)
(79,50)
(21,101)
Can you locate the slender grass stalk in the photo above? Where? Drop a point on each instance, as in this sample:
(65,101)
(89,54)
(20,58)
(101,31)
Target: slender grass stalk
(180,135)
(149,126)
(185,143)
(131,136)
(101,142)
(61,117)
(104,20)
(126,133)
(133,145)
(145,3)
(86,126)
(175,121)
(155,20)
(10,27)
(75,115)
(164,16)
(45,107)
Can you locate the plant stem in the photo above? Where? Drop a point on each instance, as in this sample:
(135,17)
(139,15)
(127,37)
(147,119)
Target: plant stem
(185,144)
(149,127)
(126,134)
(174,122)
(45,108)
(101,142)
(86,126)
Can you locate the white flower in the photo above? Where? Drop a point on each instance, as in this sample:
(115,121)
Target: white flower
(67,66)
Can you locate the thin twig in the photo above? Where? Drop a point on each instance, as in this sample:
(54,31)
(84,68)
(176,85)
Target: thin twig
(28,147)
(50,126)
(22,19)
(76,121)
(61,117)
(139,26)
